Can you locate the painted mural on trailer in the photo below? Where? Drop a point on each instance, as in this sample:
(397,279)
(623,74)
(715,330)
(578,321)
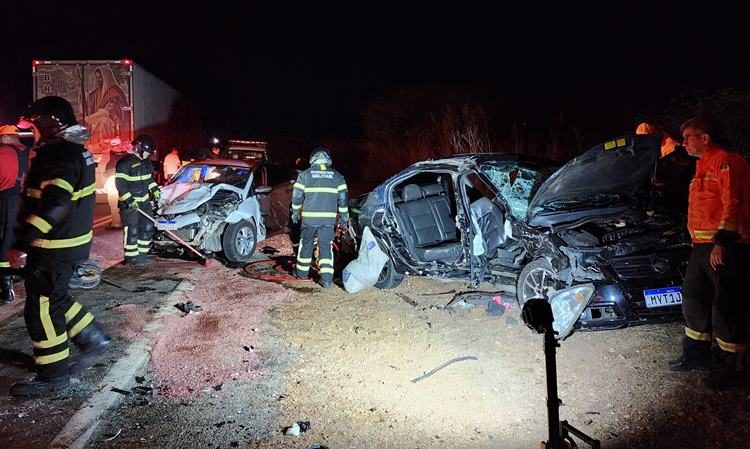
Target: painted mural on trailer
(100,95)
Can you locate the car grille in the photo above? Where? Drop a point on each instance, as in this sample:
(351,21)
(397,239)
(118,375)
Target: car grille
(646,266)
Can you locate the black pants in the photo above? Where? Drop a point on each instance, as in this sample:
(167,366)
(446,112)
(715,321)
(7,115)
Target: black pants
(9,200)
(325,255)
(137,234)
(52,316)
(715,302)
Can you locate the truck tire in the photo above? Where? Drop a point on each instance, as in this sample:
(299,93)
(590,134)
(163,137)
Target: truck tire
(389,278)
(239,241)
(537,276)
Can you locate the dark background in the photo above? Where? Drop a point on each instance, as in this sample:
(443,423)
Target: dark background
(310,71)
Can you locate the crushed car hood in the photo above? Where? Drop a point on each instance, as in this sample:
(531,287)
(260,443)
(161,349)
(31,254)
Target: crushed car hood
(608,174)
(179,198)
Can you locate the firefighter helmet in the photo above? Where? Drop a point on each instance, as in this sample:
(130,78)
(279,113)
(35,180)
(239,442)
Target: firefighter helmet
(321,155)
(50,115)
(144,144)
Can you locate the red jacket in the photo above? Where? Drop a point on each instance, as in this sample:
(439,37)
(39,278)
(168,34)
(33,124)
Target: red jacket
(719,203)
(8,167)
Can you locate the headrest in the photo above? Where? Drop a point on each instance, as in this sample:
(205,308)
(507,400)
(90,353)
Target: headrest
(432,189)
(412,192)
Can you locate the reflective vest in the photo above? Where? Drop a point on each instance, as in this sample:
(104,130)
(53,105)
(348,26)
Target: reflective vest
(322,194)
(134,179)
(59,199)
(719,197)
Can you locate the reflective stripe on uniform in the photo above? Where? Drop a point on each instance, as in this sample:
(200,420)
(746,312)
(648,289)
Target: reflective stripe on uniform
(72,312)
(326,271)
(84,192)
(152,185)
(321,190)
(57,182)
(296,206)
(731,347)
(126,196)
(304,260)
(133,178)
(49,328)
(79,326)
(139,199)
(303,268)
(4,264)
(695,335)
(298,185)
(342,187)
(63,243)
(50,343)
(319,214)
(344,210)
(39,223)
(326,262)
(52,358)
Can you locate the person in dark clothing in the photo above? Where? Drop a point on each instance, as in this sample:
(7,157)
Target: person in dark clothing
(138,190)
(320,196)
(55,230)
(14,163)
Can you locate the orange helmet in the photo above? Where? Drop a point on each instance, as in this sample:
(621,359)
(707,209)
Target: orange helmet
(8,130)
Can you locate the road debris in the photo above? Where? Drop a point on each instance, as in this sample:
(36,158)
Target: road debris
(113,436)
(439,293)
(407,300)
(295,429)
(188,307)
(449,362)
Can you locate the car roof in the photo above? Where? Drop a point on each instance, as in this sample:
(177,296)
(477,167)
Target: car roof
(229,162)
(480,158)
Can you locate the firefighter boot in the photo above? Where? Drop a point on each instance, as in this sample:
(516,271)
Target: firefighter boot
(725,371)
(92,341)
(696,354)
(39,386)
(6,290)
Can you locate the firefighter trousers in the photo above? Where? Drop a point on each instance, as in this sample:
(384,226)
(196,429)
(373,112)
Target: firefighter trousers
(715,302)
(325,251)
(52,316)
(8,211)
(137,234)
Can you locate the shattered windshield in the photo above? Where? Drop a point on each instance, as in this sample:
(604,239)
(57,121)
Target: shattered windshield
(516,185)
(213,174)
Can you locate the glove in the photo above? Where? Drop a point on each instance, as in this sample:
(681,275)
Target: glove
(133,206)
(295,217)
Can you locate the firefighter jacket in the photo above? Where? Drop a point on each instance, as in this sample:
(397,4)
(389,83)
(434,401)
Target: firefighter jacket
(57,215)
(321,193)
(134,179)
(718,209)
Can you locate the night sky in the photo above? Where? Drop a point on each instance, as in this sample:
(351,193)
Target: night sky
(310,69)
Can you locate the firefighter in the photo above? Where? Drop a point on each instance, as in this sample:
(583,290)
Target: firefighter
(714,298)
(137,189)
(668,144)
(55,230)
(320,194)
(14,163)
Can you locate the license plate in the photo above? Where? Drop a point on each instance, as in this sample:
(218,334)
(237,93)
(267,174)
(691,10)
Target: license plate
(166,225)
(663,297)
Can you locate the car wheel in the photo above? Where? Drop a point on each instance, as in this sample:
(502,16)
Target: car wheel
(536,278)
(239,240)
(389,277)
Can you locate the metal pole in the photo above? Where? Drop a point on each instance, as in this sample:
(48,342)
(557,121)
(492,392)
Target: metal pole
(553,402)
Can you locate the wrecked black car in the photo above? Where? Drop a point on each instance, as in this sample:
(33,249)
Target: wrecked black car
(531,228)
(453,218)
(601,219)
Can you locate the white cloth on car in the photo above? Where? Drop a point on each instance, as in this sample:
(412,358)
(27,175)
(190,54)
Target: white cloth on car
(363,271)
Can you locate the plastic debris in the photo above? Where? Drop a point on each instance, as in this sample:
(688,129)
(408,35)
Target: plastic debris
(188,307)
